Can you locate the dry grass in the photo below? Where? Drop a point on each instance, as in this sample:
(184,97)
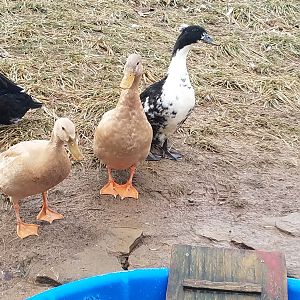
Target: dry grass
(70,55)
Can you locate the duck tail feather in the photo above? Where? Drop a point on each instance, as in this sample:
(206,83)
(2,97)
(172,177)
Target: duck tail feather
(34,104)
(8,86)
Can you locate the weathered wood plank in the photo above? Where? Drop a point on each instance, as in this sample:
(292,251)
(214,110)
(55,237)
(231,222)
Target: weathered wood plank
(266,269)
(275,275)
(222,286)
(180,268)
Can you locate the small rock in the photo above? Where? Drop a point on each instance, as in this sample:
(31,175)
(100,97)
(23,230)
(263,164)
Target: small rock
(46,280)
(7,275)
(289,224)
(124,239)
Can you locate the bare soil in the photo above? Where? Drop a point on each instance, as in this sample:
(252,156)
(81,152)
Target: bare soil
(221,199)
(241,144)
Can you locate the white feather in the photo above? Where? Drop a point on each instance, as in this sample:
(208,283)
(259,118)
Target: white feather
(182,26)
(178,94)
(146,105)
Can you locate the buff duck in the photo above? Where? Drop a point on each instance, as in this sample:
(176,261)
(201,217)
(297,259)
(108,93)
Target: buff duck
(35,166)
(168,102)
(123,137)
(14,102)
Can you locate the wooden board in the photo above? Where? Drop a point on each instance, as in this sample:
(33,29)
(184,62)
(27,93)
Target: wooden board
(226,274)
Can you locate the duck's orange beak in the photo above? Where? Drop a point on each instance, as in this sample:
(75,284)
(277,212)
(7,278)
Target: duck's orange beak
(74,149)
(127,80)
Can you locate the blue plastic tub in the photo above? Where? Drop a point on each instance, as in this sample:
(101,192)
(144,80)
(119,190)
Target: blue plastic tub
(146,284)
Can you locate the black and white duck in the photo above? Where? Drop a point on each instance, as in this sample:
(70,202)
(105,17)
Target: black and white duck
(14,102)
(168,102)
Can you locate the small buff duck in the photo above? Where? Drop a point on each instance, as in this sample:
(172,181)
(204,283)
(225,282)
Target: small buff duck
(33,167)
(123,136)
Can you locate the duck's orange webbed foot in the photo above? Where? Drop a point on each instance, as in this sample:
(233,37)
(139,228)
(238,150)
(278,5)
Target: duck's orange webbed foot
(24,230)
(47,214)
(127,190)
(110,187)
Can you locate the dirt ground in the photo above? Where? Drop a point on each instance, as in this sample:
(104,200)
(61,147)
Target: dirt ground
(217,199)
(240,171)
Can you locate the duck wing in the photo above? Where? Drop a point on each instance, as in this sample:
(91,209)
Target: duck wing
(16,163)
(8,87)
(151,100)
(14,102)
(14,106)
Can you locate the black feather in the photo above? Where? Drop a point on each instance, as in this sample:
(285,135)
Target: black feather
(190,35)
(155,113)
(14,103)
(7,86)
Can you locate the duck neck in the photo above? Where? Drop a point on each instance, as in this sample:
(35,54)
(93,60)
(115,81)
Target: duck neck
(136,83)
(130,97)
(178,63)
(55,141)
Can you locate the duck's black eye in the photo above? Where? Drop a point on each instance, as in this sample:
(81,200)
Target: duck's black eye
(63,128)
(138,63)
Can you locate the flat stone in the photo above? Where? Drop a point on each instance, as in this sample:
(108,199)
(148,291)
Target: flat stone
(289,224)
(273,240)
(223,233)
(151,255)
(92,261)
(124,239)
(264,236)
(268,222)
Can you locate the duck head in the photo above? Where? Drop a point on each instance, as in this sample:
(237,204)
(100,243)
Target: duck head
(133,68)
(191,35)
(64,130)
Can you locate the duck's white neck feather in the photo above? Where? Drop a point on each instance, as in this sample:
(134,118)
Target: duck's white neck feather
(178,63)
(55,141)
